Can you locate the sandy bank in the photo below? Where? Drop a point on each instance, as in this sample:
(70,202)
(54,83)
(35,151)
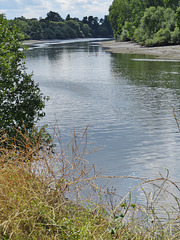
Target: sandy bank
(169,52)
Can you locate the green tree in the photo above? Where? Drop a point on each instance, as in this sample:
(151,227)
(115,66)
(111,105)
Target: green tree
(105,29)
(53,16)
(35,30)
(75,30)
(156,26)
(86,30)
(68,17)
(171,4)
(23,24)
(119,13)
(21,101)
(177,17)
(126,15)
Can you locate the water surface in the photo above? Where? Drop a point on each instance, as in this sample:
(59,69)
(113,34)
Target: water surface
(127,100)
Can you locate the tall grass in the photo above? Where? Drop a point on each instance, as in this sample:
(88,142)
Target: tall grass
(54,195)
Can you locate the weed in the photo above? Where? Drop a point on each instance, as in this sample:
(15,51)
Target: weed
(45,195)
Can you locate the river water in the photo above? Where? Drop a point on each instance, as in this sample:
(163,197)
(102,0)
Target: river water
(127,100)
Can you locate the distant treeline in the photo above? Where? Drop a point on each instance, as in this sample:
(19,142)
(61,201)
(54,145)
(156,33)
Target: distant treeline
(55,27)
(148,22)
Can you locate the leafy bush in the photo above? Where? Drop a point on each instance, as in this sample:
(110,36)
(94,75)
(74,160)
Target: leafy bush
(21,101)
(124,35)
(127,31)
(142,20)
(149,42)
(156,24)
(162,37)
(140,35)
(175,36)
(177,17)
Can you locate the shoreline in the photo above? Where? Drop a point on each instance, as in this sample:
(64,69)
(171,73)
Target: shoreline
(165,52)
(32,42)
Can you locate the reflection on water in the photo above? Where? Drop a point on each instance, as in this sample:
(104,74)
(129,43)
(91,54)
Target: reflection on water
(127,101)
(155,60)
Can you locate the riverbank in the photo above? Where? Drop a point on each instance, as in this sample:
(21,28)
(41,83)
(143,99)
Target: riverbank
(32,42)
(167,52)
(34,204)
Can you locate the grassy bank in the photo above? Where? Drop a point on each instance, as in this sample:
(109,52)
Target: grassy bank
(45,195)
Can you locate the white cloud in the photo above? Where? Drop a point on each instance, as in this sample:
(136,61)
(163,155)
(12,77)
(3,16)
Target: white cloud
(34,8)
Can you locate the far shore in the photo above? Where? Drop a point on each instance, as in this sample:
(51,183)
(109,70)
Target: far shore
(165,52)
(31,42)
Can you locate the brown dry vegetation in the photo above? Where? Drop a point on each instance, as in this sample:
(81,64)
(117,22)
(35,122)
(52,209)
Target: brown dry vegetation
(45,195)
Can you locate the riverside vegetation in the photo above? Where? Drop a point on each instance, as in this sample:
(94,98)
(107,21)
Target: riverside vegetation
(148,22)
(46,193)
(55,27)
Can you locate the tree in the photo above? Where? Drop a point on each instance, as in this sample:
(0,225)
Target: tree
(22,23)
(177,17)
(53,16)
(21,101)
(105,29)
(85,20)
(35,30)
(68,17)
(156,26)
(171,4)
(119,13)
(126,15)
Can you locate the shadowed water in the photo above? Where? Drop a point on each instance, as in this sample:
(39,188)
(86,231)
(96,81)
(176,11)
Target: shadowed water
(127,100)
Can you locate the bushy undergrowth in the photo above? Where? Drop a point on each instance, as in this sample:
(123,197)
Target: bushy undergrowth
(45,195)
(149,23)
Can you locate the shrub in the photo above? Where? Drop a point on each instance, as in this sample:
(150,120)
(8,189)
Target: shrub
(21,101)
(149,42)
(127,31)
(177,17)
(162,37)
(156,24)
(175,36)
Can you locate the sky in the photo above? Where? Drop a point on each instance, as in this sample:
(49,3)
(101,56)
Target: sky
(40,8)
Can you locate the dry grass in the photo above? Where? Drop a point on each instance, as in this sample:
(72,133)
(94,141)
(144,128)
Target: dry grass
(45,195)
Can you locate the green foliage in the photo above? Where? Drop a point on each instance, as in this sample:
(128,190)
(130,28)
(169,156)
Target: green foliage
(175,36)
(55,27)
(119,13)
(53,16)
(21,102)
(155,26)
(75,29)
(177,17)
(22,23)
(127,31)
(145,20)
(98,27)
(105,29)
(162,37)
(171,4)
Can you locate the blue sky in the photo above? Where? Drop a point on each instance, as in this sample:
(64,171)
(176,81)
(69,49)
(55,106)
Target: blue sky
(39,8)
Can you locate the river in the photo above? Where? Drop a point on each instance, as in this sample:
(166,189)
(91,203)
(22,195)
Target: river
(127,100)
